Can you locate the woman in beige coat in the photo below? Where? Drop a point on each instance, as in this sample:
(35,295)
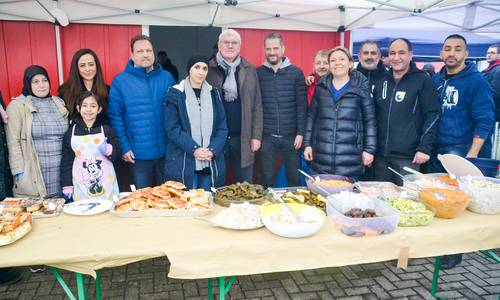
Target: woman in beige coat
(35,129)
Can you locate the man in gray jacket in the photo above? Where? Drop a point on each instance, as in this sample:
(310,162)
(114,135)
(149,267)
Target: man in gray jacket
(284,105)
(237,79)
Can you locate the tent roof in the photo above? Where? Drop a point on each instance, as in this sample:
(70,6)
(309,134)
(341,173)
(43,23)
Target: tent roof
(479,16)
(307,15)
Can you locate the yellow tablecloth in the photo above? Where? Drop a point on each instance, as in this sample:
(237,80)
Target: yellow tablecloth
(197,250)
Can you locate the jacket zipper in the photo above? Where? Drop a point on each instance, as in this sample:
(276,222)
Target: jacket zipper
(389,119)
(276,101)
(184,168)
(335,137)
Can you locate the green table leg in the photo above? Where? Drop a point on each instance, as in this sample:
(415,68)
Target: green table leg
(63,284)
(98,294)
(210,292)
(223,288)
(492,255)
(80,286)
(435,277)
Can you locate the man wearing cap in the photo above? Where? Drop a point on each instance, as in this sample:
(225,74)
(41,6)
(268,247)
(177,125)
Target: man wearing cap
(238,81)
(284,105)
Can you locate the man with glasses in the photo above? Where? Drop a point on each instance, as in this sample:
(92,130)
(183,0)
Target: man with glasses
(237,79)
(492,75)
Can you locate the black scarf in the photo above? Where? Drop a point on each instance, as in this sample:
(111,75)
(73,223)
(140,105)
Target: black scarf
(29,73)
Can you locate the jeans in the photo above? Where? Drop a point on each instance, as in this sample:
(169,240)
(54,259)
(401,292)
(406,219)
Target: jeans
(271,146)
(382,173)
(232,155)
(435,165)
(148,172)
(202,181)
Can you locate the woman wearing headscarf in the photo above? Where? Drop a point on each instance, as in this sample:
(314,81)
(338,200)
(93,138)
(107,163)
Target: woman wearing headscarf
(196,129)
(35,130)
(85,74)
(341,129)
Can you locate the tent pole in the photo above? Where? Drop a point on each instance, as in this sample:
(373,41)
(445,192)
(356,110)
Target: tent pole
(342,39)
(145,29)
(60,72)
(351,39)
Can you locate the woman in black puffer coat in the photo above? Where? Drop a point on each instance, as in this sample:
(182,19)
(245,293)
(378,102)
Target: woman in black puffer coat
(341,129)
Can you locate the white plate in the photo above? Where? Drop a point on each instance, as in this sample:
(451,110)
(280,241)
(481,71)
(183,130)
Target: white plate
(81,208)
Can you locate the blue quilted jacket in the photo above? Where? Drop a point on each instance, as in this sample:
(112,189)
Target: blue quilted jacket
(136,110)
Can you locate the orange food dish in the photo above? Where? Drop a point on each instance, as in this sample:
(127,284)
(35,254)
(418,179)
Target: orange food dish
(447,203)
(448,180)
(336,183)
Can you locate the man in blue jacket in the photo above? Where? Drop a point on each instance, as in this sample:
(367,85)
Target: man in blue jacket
(467,111)
(136,112)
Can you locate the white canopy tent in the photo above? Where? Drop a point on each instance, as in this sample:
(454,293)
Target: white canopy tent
(479,16)
(307,15)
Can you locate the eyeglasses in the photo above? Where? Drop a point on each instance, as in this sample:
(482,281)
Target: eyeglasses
(230,43)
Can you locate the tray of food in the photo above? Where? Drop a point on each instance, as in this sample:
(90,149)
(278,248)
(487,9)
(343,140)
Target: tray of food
(38,208)
(379,189)
(357,214)
(167,200)
(240,192)
(413,213)
(14,226)
(238,216)
(330,184)
(484,192)
(300,195)
(413,183)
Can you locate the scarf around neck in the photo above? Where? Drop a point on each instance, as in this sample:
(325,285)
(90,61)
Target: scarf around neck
(230,87)
(201,116)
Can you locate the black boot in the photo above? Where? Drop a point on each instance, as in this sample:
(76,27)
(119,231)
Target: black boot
(9,276)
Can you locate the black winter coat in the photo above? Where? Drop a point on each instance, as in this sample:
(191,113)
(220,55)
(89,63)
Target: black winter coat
(339,132)
(68,155)
(284,99)
(407,114)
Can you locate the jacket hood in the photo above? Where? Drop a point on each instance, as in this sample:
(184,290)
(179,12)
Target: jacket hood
(181,85)
(285,63)
(141,71)
(380,68)
(470,69)
(21,98)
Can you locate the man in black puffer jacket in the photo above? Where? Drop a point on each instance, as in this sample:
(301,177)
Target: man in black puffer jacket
(340,131)
(284,105)
(407,114)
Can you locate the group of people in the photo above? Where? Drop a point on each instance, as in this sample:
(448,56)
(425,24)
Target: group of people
(343,120)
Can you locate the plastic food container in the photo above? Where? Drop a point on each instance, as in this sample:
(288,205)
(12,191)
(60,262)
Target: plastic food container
(447,203)
(414,183)
(484,192)
(413,213)
(386,222)
(313,186)
(376,189)
(274,217)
